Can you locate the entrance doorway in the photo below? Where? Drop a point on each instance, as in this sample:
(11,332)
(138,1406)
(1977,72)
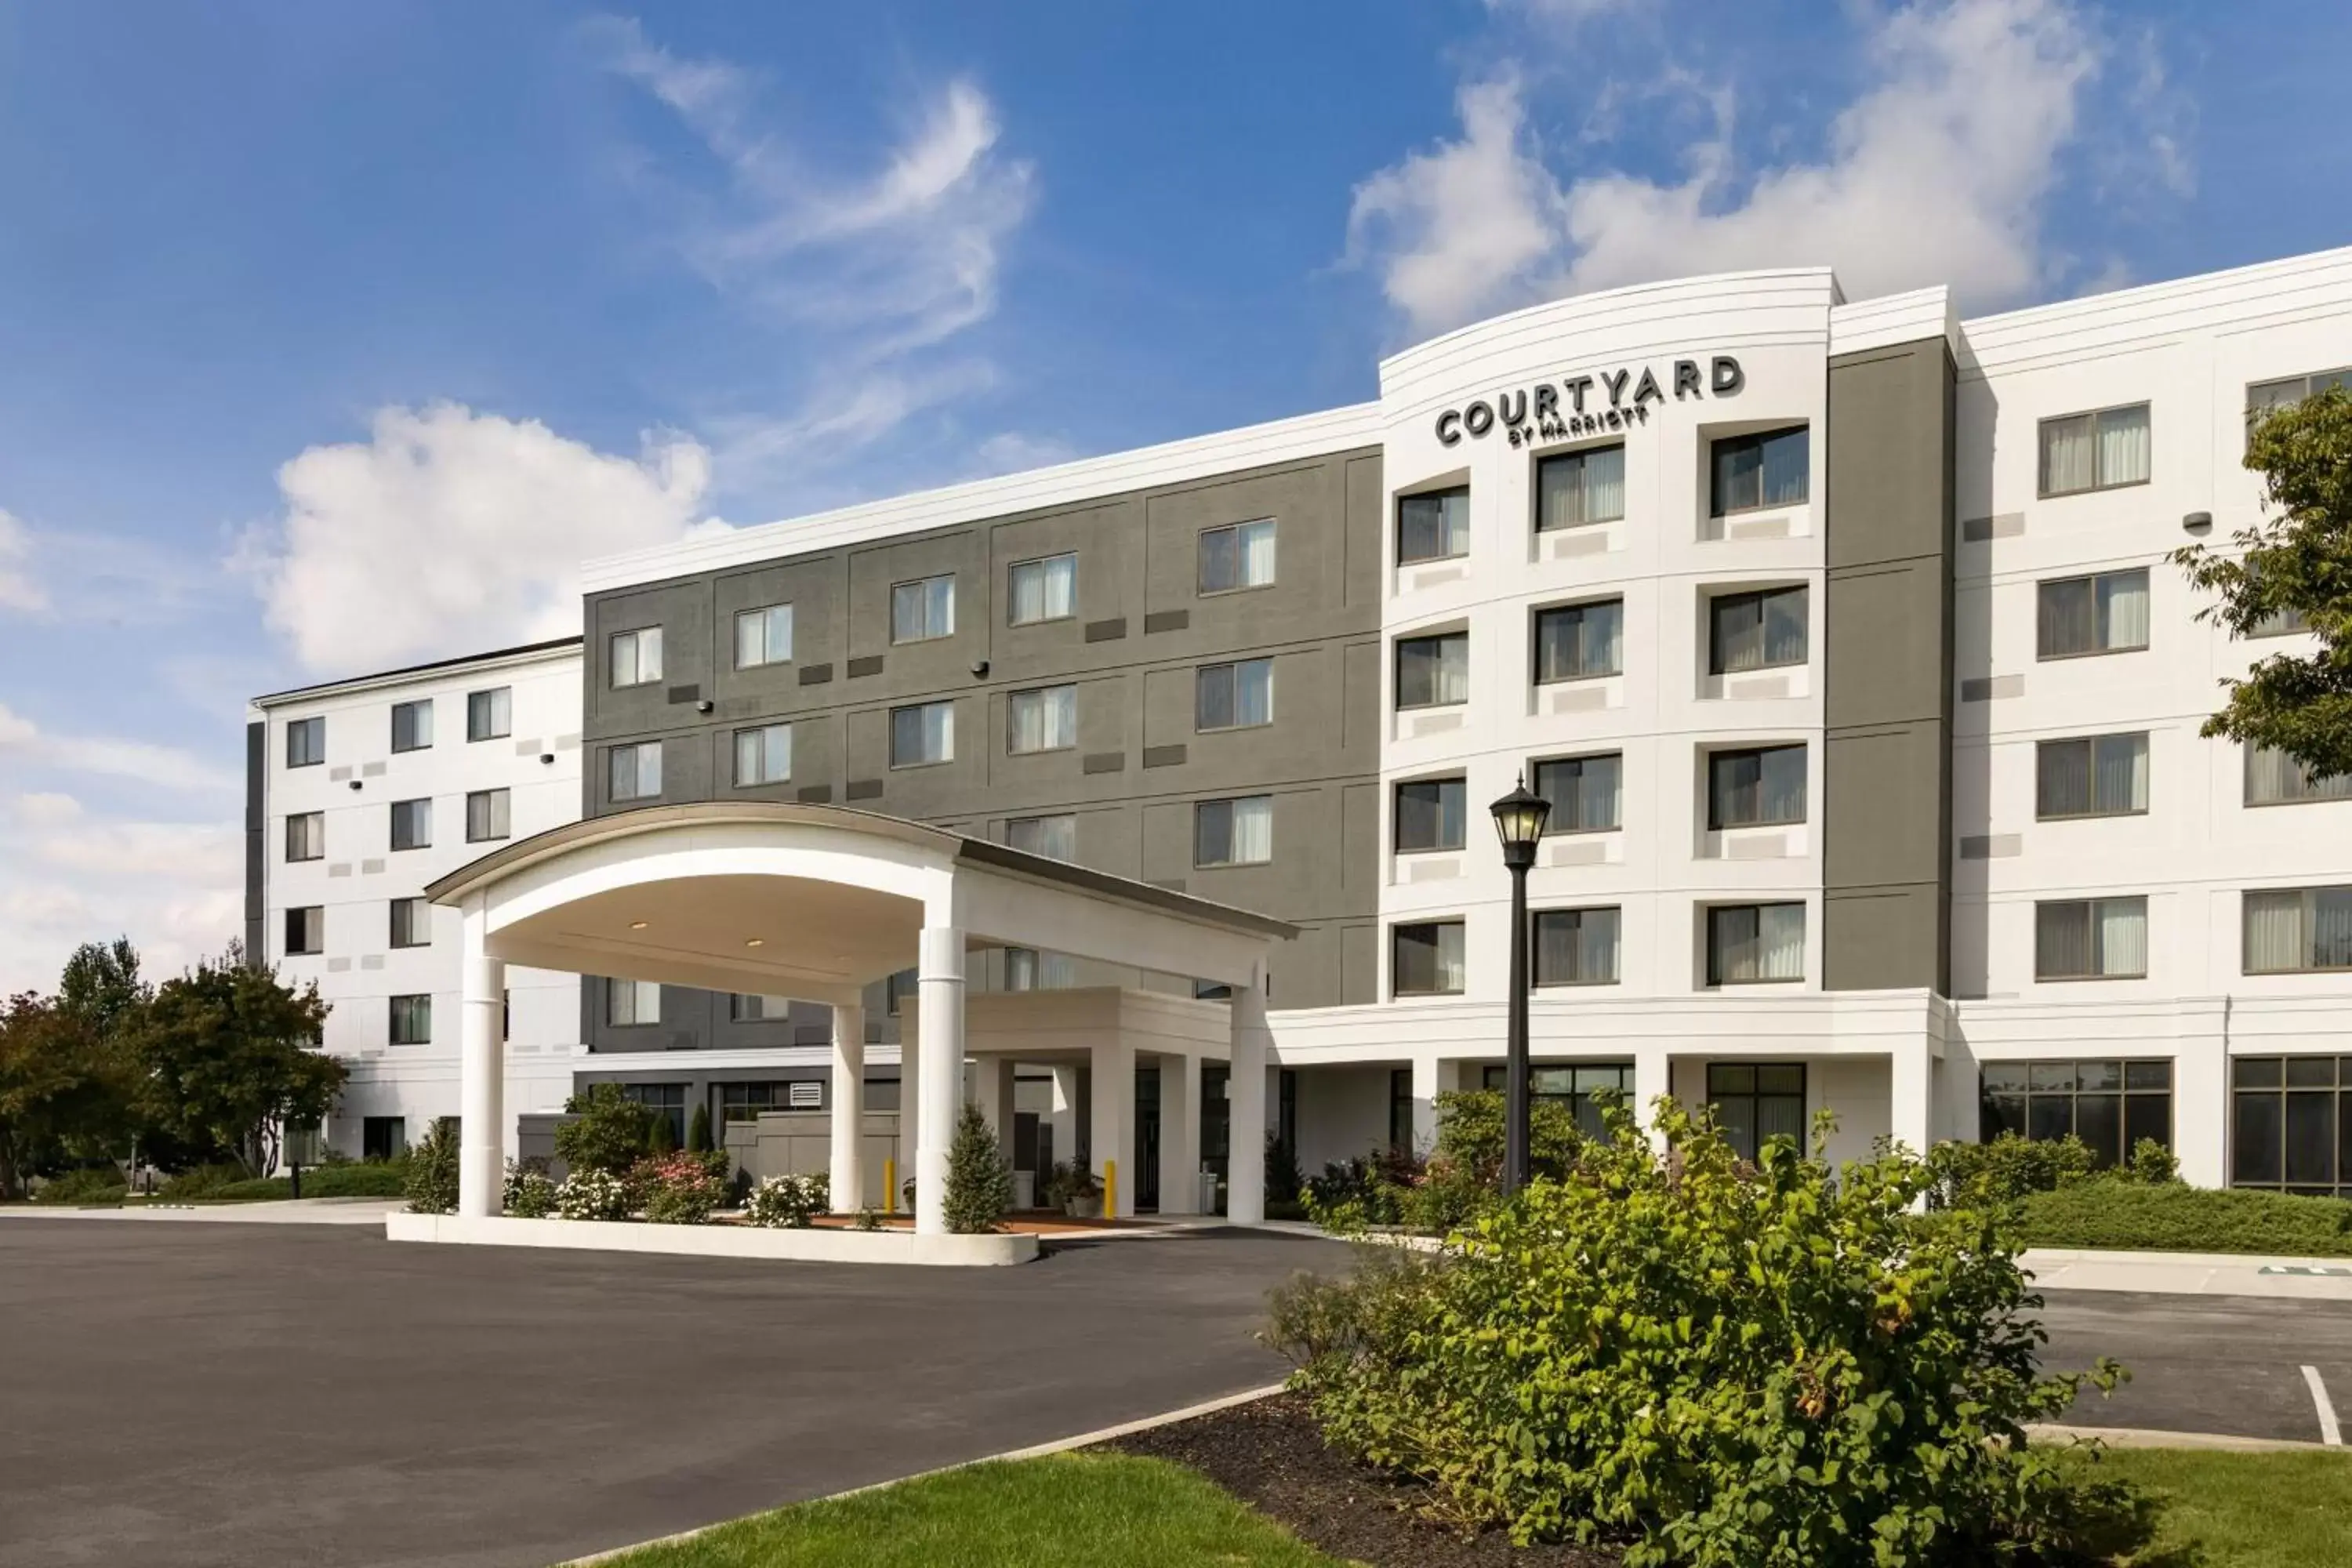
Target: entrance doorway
(1147,1139)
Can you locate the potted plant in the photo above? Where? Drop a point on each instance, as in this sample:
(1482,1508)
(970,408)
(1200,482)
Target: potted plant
(1071,1188)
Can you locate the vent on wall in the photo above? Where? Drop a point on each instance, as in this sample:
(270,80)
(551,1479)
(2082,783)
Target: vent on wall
(815,794)
(1105,762)
(871,664)
(863,789)
(1106,631)
(815,674)
(1167,621)
(1991,846)
(685,694)
(1984,530)
(1163,756)
(1985,688)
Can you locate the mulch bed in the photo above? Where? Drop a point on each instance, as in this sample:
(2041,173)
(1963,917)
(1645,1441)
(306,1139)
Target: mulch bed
(1270,1454)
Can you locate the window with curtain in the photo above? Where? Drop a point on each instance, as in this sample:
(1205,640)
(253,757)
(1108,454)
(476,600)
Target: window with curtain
(635,658)
(922,734)
(1756,631)
(1749,944)
(2291,1124)
(411,823)
(305,743)
(306,835)
(412,1019)
(1580,642)
(2294,931)
(1759,786)
(1425,958)
(763,635)
(2267,397)
(1235,696)
(1044,719)
(744,1007)
(1584,792)
(489,715)
(306,930)
(2097,451)
(923,610)
(2275,778)
(1575,947)
(2091,775)
(1027,969)
(1755,1102)
(1233,832)
(1055,837)
(631,1003)
(1045,590)
(1752,472)
(636,772)
(1241,556)
(1430,813)
(412,725)
(412,924)
(763,755)
(2091,939)
(490,814)
(1582,1088)
(2109,1105)
(1579,488)
(1434,526)
(2105,613)
(1433,672)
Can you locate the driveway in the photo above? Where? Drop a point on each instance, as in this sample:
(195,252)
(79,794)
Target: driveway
(198,1394)
(2229,1365)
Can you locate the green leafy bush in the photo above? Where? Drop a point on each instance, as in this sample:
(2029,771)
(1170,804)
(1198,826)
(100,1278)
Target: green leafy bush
(2152,1162)
(353,1179)
(698,1131)
(1283,1184)
(202,1182)
(2176,1217)
(529,1191)
(430,1182)
(1720,1366)
(1068,1180)
(1461,1178)
(793,1202)
(592,1195)
(2005,1168)
(95,1184)
(980,1178)
(608,1132)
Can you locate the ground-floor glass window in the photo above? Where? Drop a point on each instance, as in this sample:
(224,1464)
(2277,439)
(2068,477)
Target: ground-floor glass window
(744,1101)
(383,1137)
(2109,1105)
(2291,1124)
(1756,1101)
(664,1100)
(1581,1088)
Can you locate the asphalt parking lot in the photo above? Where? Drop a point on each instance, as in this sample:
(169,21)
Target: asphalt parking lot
(197,1394)
(2206,1363)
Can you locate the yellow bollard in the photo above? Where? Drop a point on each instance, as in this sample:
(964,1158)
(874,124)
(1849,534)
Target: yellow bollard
(889,1187)
(1111,1189)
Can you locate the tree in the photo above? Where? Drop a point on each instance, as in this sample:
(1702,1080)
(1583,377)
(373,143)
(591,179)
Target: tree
(980,1180)
(102,986)
(698,1131)
(62,1092)
(225,1053)
(607,1132)
(2295,563)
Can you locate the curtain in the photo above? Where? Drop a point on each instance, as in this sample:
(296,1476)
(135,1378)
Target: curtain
(2123,609)
(2068,621)
(1045,720)
(2274,932)
(2065,782)
(1451,674)
(922,734)
(1738,476)
(1582,487)
(1784,627)
(1254,691)
(1452,973)
(1787,457)
(2067,456)
(1738,634)
(1784,785)
(2331,929)
(1589,793)
(2121,762)
(1781,941)
(1604,484)
(1257,554)
(1582,642)
(1576,947)
(1253,830)
(1045,590)
(2062,942)
(2122,937)
(2124,445)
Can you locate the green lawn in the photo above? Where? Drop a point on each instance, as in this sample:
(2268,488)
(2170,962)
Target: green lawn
(2244,1510)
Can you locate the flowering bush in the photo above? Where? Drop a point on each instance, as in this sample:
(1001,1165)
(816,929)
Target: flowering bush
(678,1188)
(789,1201)
(530,1192)
(592,1195)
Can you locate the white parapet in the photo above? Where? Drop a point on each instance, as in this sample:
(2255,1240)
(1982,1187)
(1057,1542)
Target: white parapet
(811,1245)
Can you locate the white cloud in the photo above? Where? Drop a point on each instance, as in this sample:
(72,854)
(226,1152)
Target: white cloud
(18,589)
(1938,171)
(26,746)
(449,532)
(174,887)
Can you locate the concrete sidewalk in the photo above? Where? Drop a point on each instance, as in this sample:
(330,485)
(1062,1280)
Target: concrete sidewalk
(288,1210)
(2191,1273)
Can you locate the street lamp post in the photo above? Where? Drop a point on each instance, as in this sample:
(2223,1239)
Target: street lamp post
(1520,818)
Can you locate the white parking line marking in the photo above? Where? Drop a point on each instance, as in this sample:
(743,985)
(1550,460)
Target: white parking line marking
(2330,1433)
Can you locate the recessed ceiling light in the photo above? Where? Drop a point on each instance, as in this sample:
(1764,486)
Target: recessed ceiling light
(639,925)
(757,942)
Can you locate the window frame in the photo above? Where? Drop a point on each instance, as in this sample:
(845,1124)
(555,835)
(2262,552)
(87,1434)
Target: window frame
(1991,1123)
(2043,749)
(1012,589)
(758,734)
(314,748)
(1460,783)
(1397,669)
(2090,907)
(939,761)
(2041,586)
(1535,919)
(1581,456)
(2099,482)
(1439,494)
(636,638)
(1756,1095)
(1539,644)
(1761,598)
(635,991)
(1437,948)
(1232,669)
(1555,825)
(1241,585)
(1713,954)
(1229,802)
(415,815)
(927,635)
(312,919)
(2251,755)
(2292,1076)
(1761,753)
(2308,915)
(636,750)
(1758,440)
(1052,694)
(500,725)
(413,709)
(316,820)
(498,807)
(763,616)
(415,906)
(1071,817)
(418,1006)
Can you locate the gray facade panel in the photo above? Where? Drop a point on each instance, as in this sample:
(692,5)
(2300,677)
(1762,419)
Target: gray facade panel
(257,840)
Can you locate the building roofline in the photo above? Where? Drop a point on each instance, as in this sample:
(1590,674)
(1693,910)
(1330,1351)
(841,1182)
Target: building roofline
(518,654)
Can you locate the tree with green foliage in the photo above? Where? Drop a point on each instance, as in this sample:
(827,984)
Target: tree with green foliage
(226,1054)
(980,1178)
(102,987)
(698,1131)
(660,1137)
(63,1093)
(607,1132)
(2292,567)
(431,1180)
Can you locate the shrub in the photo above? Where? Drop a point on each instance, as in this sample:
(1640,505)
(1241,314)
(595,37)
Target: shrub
(678,1189)
(2176,1217)
(1283,1181)
(202,1182)
(1720,1364)
(2152,1163)
(430,1180)
(608,1131)
(980,1178)
(95,1184)
(1357,1195)
(659,1139)
(530,1192)
(869,1218)
(592,1195)
(1068,1180)
(352,1179)
(792,1202)
(698,1131)
(2005,1168)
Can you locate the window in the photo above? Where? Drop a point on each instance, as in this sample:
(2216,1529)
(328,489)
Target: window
(631,1003)
(1576,947)
(306,930)
(412,1020)
(1044,720)
(922,734)
(1237,696)
(664,1101)
(1578,487)
(489,715)
(2109,1105)
(744,1101)
(763,635)
(1401,1110)
(1756,471)
(746,1010)
(1238,557)
(412,924)
(2291,1124)
(411,823)
(1750,944)
(637,656)
(1756,631)
(1430,813)
(382,1137)
(1583,1089)
(1027,969)
(1763,787)
(2102,613)
(2095,775)
(306,835)
(2284,621)
(1434,526)
(2294,931)
(1577,642)
(2091,939)
(305,743)
(1426,959)
(2269,396)
(922,611)
(1583,792)
(1757,1101)
(1433,672)
(636,771)
(412,725)
(1043,590)
(2274,778)
(898,989)
(2095,451)
(488,815)
(764,756)
(1233,832)
(1055,837)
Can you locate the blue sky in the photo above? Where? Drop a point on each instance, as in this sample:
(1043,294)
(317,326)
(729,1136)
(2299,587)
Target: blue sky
(332,337)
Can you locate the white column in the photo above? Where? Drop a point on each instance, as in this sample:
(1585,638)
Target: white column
(1653,1077)
(1432,1076)
(848,1173)
(1911,1097)
(1180,1135)
(940,1080)
(1112,1120)
(911,1081)
(2201,1093)
(1245,1163)
(481,1073)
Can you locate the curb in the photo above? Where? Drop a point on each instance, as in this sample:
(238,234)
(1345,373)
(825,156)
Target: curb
(2155,1437)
